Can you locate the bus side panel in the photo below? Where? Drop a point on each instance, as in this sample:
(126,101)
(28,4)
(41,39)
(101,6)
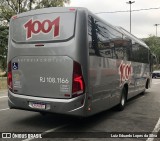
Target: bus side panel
(140,75)
(103,80)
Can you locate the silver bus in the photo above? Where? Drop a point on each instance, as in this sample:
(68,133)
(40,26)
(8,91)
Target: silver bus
(69,61)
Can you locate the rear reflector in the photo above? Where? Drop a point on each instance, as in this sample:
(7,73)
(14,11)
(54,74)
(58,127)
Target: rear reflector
(9,77)
(72,9)
(67,95)
(78,85)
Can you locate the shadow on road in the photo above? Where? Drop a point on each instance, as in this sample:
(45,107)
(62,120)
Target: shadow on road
(50,121)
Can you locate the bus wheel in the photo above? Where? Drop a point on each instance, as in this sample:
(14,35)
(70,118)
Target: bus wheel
(43,113)
(122,104)
(146,87)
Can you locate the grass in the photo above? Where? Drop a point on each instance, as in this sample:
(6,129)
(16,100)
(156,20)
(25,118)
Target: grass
(3,83)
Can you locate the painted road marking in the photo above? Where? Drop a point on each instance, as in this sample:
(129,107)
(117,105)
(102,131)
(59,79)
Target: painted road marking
(156,83)
(4,109)
(156,129)
(3,97)
(48,131)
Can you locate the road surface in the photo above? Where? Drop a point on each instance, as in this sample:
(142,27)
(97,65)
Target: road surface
(141,114)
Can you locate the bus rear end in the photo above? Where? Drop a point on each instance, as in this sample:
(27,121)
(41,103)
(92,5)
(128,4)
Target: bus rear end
(47,61)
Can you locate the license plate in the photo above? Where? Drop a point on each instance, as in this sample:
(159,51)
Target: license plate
(37,105)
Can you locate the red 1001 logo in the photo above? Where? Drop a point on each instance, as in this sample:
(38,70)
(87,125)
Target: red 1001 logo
(125,72)
(35,27)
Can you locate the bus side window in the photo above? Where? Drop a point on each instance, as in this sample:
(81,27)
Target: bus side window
(143,52)
(93,40)
(135,50)
(91,49)
(105,41)
(129,49)
(99,42)
(121,49)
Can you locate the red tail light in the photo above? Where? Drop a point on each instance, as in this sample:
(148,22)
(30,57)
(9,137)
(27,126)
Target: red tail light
(9,78)
(78,85)
(72,9)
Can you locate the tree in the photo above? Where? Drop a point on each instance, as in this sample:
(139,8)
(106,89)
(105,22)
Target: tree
(50,3)
(154,43)
(8,8)
(3,47)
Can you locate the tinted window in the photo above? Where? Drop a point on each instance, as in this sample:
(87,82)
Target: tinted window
(105,41)
(139,53)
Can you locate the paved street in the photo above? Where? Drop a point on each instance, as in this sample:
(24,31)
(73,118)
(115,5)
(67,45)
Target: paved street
(140,115)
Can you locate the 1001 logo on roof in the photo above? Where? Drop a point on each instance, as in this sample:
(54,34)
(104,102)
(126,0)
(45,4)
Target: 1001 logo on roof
(35,27)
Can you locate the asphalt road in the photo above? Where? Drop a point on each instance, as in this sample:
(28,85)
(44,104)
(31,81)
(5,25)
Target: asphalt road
(141,114)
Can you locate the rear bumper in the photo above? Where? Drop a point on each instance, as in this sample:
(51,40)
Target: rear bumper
(74,106)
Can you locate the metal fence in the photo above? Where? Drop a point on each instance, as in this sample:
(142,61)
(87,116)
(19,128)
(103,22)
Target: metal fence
(3,83)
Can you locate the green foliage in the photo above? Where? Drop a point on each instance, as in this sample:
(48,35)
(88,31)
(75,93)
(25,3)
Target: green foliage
(8,8)
(3,46)
(50,3)
(154,43)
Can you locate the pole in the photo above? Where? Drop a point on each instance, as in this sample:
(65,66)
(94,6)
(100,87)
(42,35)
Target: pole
(130,18)
(130,2)
(156,28)
(30,5)
(19,3)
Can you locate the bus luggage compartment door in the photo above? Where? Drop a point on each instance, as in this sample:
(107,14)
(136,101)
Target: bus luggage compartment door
(43,76)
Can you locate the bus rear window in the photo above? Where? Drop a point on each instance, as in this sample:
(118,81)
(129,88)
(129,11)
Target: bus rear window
(43,27)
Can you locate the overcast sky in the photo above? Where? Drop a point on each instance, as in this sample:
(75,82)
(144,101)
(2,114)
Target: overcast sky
(142,21)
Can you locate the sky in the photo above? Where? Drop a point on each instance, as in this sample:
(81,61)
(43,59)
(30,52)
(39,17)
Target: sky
(142,21)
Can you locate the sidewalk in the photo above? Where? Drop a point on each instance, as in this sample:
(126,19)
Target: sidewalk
(3,83)
(3,91)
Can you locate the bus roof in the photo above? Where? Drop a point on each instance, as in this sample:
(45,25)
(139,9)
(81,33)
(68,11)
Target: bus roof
(74,9)
(49,10)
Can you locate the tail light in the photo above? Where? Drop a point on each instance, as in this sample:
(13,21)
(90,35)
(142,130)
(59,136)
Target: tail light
(78,86)
(9,78)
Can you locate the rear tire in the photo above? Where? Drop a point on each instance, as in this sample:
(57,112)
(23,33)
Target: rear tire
(123,100)
(146,87)
(43,113)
